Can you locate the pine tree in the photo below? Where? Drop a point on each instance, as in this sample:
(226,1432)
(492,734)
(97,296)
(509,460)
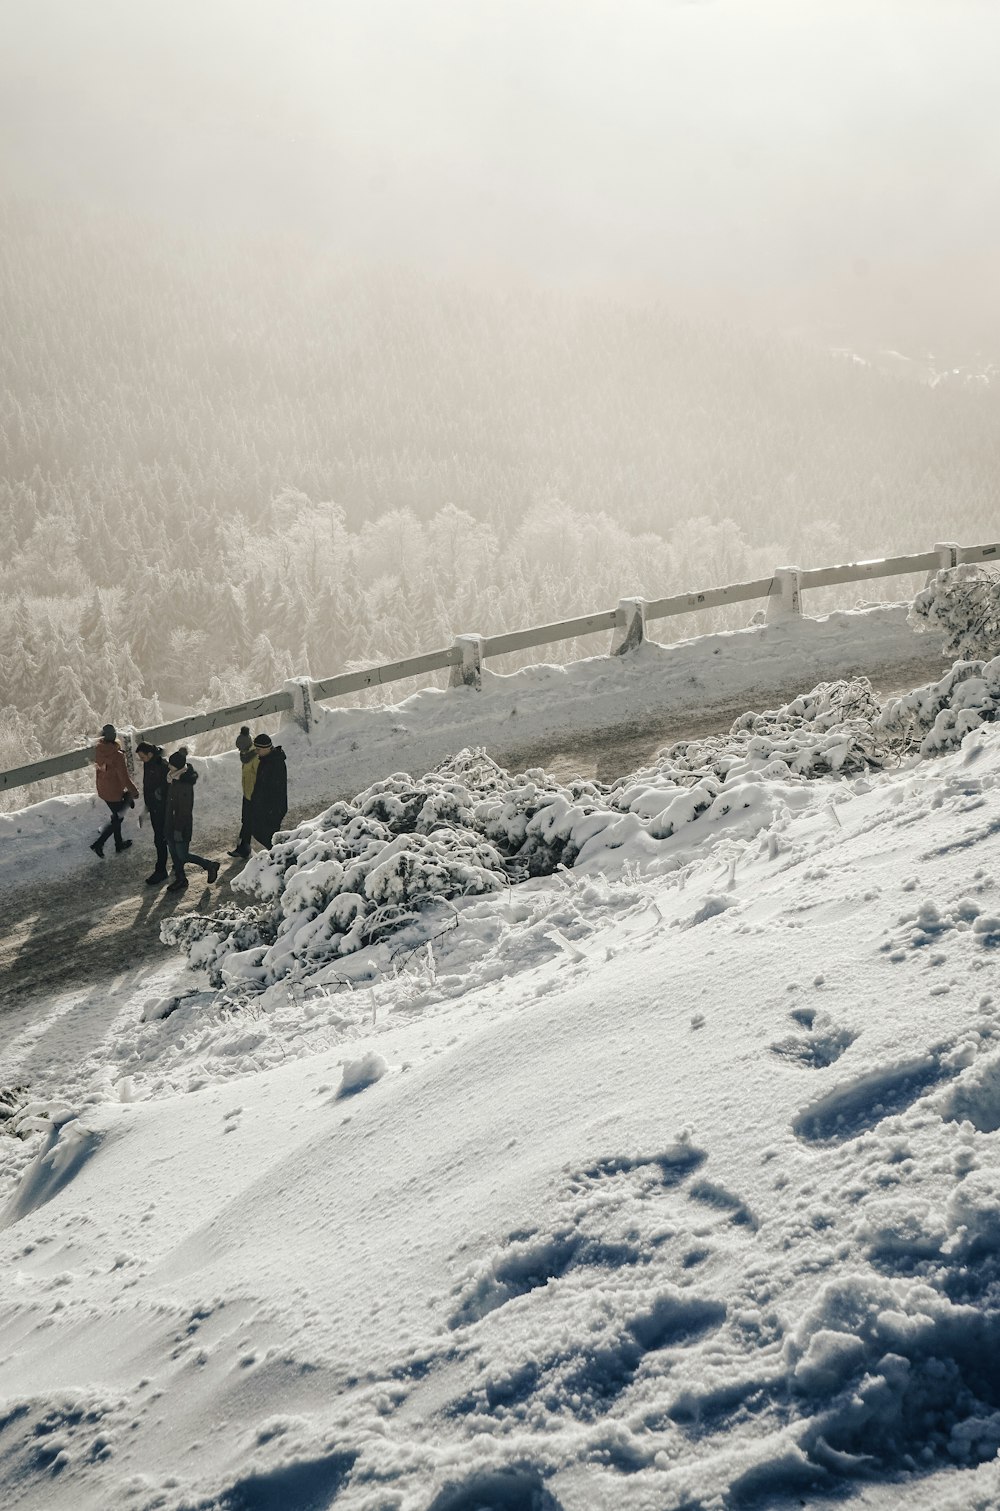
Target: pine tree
(140,626)
(69,718)
(228,627)
(101,552)
(267,670)
(95,631)
(20,663)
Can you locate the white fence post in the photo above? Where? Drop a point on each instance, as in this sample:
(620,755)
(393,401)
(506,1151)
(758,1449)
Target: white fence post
(302,701)
(630,631)
(786,601)
(469,672)
(947,551)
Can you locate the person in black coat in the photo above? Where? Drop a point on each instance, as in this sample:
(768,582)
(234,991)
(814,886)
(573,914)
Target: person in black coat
(154,794)
(269,801)
(179,821)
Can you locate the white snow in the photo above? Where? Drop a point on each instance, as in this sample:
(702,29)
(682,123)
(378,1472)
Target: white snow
(349,748)
(664,1180)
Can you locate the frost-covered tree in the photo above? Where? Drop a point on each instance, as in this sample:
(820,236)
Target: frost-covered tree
(20,657)
(19,746)
(229,626)
(963,604)
(267,670)
(95,630)
(70,719)
(144,621)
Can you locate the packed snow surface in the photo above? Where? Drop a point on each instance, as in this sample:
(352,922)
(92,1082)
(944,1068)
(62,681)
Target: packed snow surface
(665,1180)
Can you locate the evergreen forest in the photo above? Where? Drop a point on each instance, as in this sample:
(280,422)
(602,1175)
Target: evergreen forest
(223,462)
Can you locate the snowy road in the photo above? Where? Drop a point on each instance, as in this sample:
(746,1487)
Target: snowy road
(65,943)
(612,753)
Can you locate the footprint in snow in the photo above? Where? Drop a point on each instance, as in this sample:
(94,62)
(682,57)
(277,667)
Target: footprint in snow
(497,1490)
(860,1103)
(619,1211)
(585,1317)
(613,1275)
(822,1043)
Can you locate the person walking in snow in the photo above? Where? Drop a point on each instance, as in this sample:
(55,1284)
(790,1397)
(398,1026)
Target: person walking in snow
(248,759)
(269,802)
(154,793)
(114,787)
(179,821)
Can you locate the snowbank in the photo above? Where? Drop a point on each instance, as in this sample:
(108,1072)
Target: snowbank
(349,748)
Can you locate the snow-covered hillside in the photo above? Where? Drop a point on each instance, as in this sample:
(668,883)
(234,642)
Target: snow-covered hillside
(664,1181)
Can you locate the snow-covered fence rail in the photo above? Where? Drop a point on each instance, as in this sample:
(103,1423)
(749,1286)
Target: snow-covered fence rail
(177,729)
(220,718)
(783,590)
(548,634)
(392,671)
(38,771)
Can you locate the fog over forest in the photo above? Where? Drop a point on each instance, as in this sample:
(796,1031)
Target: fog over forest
(329,331)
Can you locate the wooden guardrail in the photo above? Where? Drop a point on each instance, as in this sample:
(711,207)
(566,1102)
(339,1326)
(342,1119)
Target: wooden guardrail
(628,621)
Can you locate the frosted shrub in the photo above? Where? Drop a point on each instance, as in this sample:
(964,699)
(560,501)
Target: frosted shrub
(364,869)
(230,931)
(963,603)
(341,881)
(936,718)
(831,730)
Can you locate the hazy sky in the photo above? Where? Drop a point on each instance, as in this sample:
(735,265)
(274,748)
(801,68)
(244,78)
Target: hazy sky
(743,145)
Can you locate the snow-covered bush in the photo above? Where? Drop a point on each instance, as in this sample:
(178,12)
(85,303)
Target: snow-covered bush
(228,932)
(364,869)
(829,730)
(342,880)
(963,603)
(937,717)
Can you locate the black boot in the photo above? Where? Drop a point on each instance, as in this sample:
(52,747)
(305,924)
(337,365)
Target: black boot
(98,849)
(125,844)
(157,876)
(213,871)
(179,883)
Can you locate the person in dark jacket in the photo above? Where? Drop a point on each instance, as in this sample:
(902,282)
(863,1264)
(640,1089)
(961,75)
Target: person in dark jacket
(154,793)
(269,802)
(179,821)
(114,786)
(248,761)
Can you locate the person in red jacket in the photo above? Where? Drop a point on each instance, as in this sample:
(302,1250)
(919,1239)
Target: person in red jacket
(114,786)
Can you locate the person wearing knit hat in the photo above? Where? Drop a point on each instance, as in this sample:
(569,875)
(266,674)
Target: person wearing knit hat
(269,803)
(248,776)
(114,787)
(179,821)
